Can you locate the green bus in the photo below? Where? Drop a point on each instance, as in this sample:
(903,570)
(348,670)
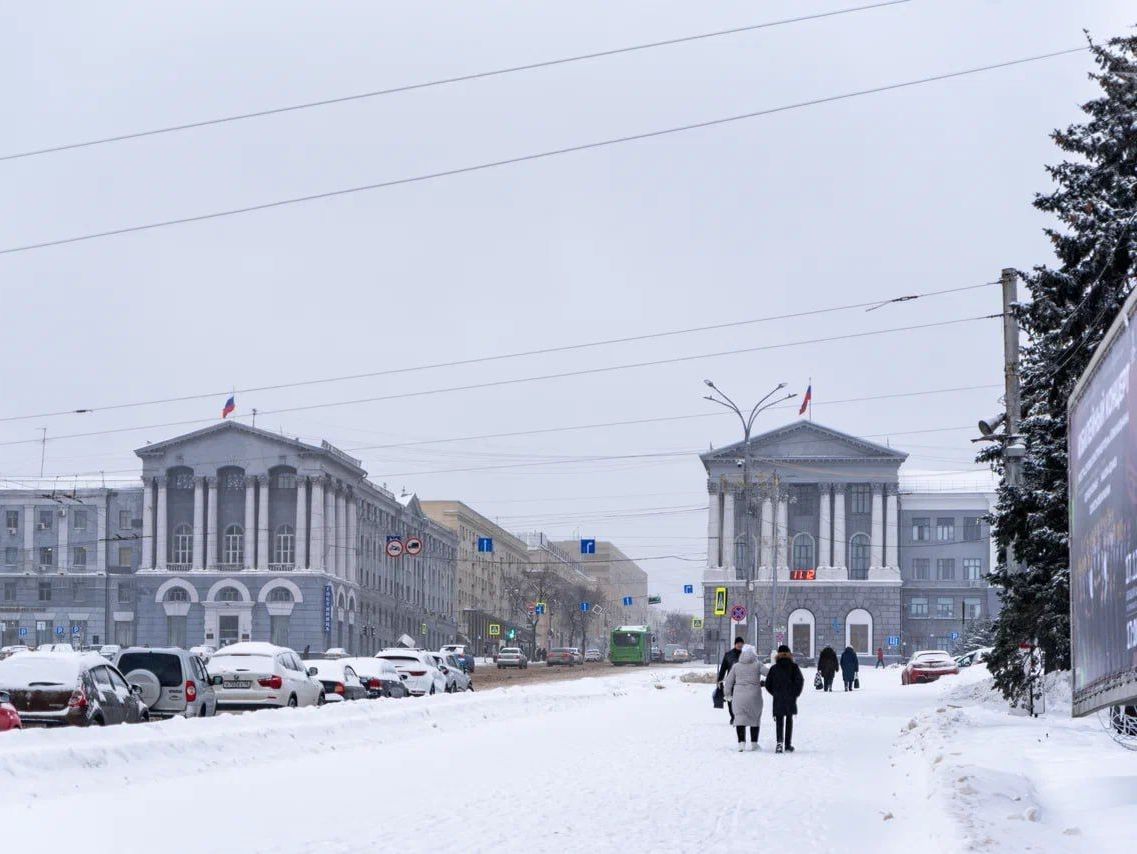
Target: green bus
(630,645)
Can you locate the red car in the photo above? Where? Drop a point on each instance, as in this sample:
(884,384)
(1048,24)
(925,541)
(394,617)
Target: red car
(9,717)
(928,666)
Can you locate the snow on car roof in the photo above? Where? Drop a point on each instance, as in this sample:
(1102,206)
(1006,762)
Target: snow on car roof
(252,648)
(29,669)
(369,666)
(327,666)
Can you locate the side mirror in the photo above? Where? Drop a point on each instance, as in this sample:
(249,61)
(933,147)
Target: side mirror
(136,690)
(5,697)
(312,671)
(216,680)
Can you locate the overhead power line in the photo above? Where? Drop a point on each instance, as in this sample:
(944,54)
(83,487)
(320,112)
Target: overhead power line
(525,158)
(544,351)
(444,81)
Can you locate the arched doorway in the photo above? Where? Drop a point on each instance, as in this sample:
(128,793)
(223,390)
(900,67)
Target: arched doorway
(802,633)
(858,631)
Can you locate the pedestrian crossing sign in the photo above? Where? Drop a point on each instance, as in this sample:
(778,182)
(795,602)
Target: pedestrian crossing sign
(495,630)
(720,601)
(696,622)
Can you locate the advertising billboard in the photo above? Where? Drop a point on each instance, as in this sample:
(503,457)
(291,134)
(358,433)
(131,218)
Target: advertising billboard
(1102,444)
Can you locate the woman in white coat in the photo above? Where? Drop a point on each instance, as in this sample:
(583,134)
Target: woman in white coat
(743,687)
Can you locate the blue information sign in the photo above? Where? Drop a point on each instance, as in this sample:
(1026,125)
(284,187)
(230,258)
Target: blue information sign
(588,547)
(836,624)
(954,636)
(59,631)
(627,601)
(893,640)
(76,630)
(328,599)
(584,606)
(688,588)
(539,608)
(23,631)
(485,544)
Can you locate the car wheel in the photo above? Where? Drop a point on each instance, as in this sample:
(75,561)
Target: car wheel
(292,702)
(432,689)
(98,720)
(321,699)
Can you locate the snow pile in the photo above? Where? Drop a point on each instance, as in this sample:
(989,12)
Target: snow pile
(975,691)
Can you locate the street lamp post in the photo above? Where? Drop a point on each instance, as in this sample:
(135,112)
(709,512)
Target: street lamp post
(747,425)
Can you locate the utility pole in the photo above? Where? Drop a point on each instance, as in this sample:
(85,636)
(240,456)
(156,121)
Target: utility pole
(1013,448)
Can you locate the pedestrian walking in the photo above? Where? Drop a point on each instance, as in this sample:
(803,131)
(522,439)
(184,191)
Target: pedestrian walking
(743,689)
(728,661)
(850,664)
(784,682)
(827,666)
(880,658)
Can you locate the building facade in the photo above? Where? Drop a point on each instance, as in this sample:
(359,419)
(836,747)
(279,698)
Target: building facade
(618,577)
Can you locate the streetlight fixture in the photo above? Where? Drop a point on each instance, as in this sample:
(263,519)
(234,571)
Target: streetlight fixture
(747,421)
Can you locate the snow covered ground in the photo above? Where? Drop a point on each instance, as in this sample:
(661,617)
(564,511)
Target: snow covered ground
(634,761)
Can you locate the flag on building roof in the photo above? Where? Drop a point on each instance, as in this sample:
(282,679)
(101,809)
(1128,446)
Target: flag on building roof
(230,405)
(807,400)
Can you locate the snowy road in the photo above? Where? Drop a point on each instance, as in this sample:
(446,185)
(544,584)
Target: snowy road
(606,764)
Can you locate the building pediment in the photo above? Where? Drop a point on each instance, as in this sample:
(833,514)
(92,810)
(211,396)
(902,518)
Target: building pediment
(805,441)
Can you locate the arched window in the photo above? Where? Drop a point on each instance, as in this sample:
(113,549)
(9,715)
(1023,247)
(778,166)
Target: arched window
(284,545)
(176,594)
(228,594)
(234,545)
(859,557)
(183,544)
(280,594)
(803,552)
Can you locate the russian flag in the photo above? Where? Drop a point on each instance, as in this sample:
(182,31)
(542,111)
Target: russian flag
(805,401)
(230,405)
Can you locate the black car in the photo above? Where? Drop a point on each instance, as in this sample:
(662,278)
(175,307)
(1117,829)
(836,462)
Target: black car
(338,678)
(379,677)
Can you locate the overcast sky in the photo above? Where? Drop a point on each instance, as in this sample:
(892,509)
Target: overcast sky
(908,191)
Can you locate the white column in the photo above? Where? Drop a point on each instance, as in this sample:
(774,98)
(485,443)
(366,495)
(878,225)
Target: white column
(301,525)
(714,530)
(824,538)
(147,525)
(198,524)
(351,553)
(101,535)
(892,529)
(162,547)
(766,545)
(62,561)
(263,556)
(341,535)
(212,535)
(839,541)
(876,544)
(728,528)
(330,528)
(250,521)
(317,559)
(782,532)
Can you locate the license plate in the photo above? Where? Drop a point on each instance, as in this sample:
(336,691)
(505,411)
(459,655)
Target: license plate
(238,683)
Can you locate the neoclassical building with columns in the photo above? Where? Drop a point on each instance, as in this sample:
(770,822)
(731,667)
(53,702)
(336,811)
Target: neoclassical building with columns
(822,512)
(250,535)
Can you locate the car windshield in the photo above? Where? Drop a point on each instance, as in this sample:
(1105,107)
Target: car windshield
(164,665)
(241,662)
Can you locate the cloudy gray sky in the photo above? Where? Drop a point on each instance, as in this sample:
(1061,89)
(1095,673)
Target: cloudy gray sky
(908,191)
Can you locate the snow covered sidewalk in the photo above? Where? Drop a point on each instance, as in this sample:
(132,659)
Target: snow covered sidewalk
(633,761)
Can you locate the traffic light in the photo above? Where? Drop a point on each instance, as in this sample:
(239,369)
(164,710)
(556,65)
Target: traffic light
(511,634)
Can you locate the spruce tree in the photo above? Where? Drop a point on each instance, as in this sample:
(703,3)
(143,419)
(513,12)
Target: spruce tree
(1071,306)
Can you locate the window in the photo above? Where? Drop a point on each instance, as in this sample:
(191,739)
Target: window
(234,552)
(183,544)
(278,630)
(125,556)
(45,517)
(917,606)
(125,593)
(921,529)
(9,591)
(79,557)
(945,568)
(228,594)
(78,591)
(11,556)
(45,591)
(46,556)
(859,557)
(233,480)
(176,631)
(860,497)
(280,594)
(945,529)
(971,529)
(944,609)
(12,518)
(286,480)
(972,609)
(124,519)
(921,567)
(284,545)
(79,520)
(803,552)
(100,674)
(124,632)
(182,480)
(973,568)
(176,594)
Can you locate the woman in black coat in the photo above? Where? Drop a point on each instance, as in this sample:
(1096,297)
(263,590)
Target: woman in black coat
(849,667)
(784,683)
(827,666)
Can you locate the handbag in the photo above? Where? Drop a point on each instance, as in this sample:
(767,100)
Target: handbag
(818,682)
(856,681)
(717,697)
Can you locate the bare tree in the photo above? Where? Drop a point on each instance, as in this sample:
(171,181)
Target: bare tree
(524,589)
(677,628)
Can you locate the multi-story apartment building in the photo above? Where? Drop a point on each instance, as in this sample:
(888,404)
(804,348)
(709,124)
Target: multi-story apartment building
(618,577)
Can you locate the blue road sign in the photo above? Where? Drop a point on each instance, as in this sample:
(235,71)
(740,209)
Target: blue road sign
(539,608)
(893,640)
(627,601)
(836,624)
(328,599)
(59,630)
(584,606)
(954,636)
(688,588)
(588,547)
(23,631)
(485,544)
(76,630)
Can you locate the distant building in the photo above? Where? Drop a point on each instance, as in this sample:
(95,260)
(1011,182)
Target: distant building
(618,576)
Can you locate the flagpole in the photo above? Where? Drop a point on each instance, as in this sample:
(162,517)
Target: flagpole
(811,398)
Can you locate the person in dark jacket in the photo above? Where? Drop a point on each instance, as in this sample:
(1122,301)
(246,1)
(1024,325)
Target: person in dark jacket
(827,666)
(879,657)
(784,683)
(728,661)
(849,667)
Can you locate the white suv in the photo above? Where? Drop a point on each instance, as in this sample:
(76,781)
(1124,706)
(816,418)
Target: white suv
(261,675)
(423,675)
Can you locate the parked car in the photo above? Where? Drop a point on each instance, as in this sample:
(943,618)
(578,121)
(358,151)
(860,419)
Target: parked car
(577,655)
(263,675)
(204,652)
(49,689)
(339,679)
(174,681)
(976,656)
(336,652)
(423,676)
(9,717)
(8,651)
(560,655)
(109,651)
(680,655)
(656,654)
(512,656)
(65,648)
(463,654)
(593,655)
(379,676)
(927,666)
(456,678)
